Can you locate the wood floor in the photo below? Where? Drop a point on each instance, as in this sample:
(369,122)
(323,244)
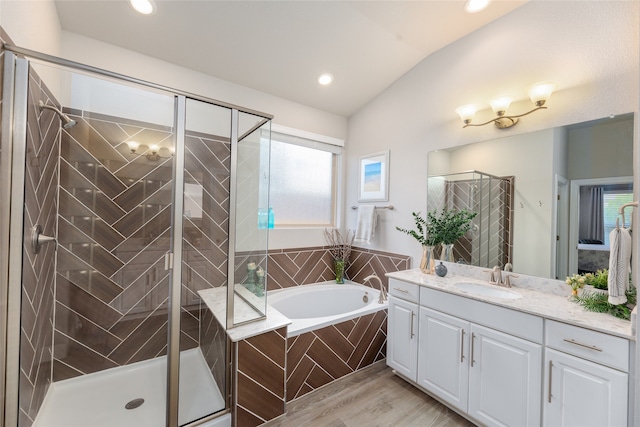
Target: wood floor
(371,397)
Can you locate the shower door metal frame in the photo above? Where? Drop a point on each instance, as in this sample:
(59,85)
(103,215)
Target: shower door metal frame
(12,174)
(13,169)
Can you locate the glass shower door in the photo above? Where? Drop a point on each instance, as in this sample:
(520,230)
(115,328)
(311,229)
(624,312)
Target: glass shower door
(205,252)
(99,181)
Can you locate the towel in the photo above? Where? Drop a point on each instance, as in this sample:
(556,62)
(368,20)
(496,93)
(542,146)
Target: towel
(366,224)
(619,265)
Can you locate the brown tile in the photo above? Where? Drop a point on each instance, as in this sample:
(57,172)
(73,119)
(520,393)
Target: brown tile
(143,332)
(297,349)
(245,418)
(79,357)
(317,378)
(335,341)
(261,369)
(86,277)
(142,189)
(257,400)
(153,347)
(84,303)
(345,327)
(361,327)
(297,375)
(323,356)
(86,221)
(365,344)
(83,330)
(373,352)
(272,345)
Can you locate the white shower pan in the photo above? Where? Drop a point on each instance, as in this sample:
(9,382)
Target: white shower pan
(99,399)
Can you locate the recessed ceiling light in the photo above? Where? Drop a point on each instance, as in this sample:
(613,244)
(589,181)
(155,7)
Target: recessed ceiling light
(473,6)
(325,79)
(145,7)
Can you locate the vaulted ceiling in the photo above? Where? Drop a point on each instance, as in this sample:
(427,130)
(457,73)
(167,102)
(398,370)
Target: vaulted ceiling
(280,47)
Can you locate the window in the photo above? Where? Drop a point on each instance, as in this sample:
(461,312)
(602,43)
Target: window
(612,201)
(304,181)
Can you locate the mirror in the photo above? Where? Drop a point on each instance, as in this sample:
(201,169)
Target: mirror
(535,225)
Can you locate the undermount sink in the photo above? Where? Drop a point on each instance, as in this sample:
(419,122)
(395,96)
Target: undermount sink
(486,290)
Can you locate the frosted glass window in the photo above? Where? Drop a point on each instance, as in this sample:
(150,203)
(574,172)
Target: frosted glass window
(303,185)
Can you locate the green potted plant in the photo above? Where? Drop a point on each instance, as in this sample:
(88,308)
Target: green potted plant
(449,226)
(426,235)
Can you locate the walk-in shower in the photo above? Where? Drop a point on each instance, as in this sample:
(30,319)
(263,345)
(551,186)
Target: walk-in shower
(118,204)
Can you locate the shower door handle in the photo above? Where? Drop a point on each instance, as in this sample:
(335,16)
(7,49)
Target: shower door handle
(168,261)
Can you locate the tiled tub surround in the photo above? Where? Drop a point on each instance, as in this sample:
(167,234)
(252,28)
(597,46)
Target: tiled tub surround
(319,357)
(313,358)
(302,266)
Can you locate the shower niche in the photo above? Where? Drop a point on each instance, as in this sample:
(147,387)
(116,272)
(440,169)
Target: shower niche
(489,242)
(150,195)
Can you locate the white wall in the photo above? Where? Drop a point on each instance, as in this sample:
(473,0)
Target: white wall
(589,48)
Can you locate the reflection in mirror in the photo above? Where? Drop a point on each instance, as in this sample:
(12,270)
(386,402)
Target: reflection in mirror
(488,243)
(252,198)
(547,169)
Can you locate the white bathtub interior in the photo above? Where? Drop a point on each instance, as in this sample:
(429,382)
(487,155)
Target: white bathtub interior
(316,305)
(99,399)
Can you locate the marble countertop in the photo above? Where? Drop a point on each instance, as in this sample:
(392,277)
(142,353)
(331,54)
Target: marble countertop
(216,300)
(550,302)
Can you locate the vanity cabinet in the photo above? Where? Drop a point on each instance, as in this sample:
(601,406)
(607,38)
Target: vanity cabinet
(402,339)
(586,377)
(492,376)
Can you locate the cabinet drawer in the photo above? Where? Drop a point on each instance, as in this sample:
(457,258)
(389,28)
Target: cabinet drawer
(591,345)
(404,290)
(523,325)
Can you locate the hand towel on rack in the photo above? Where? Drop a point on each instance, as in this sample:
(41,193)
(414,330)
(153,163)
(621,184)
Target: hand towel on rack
(619,265)
(366,224)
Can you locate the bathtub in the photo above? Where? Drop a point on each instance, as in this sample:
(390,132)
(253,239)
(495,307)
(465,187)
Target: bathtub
(315,306)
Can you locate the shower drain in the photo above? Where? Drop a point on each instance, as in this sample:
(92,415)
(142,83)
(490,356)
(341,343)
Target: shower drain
(135,403)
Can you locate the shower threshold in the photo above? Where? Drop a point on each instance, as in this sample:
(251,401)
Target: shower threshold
(101,399)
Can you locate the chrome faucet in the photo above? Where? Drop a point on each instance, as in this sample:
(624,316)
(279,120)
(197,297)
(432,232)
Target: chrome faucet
(383,293)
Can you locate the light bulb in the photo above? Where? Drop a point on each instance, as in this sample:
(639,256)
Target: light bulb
(541,92)
(467,112)
(500,105)
(133,146)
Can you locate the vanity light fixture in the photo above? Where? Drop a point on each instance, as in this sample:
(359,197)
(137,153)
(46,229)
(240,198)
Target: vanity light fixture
(538,93)
(152,152)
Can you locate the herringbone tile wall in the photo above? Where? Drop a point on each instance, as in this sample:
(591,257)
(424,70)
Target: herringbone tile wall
(302,266)
(115,227)
(319,357)
(38,270)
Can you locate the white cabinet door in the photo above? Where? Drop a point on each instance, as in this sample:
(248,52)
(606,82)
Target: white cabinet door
(402,341)
(504,379)
(443,351)
(581,393)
